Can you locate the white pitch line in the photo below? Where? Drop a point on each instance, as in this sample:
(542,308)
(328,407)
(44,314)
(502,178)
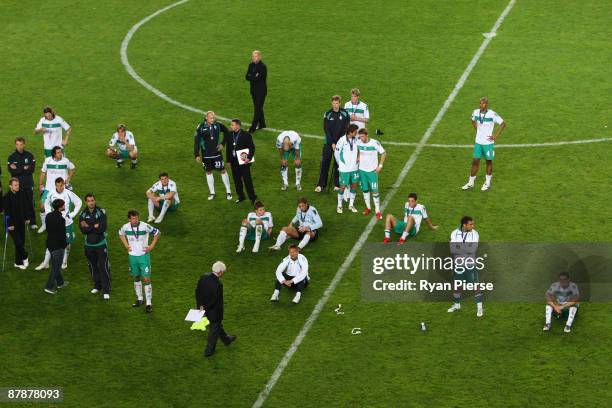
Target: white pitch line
(128,67)
(364,235)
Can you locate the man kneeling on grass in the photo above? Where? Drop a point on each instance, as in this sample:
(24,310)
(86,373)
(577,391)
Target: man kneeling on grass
(292,272)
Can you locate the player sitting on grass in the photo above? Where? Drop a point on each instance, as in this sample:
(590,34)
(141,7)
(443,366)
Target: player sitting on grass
(308,222)
(123,146)
(369,149)
(562,300)
(289,144)
(163,195)
(292,272)
(135,238)
(347,157)
(71,209)
(413,215)
(54,167)
(257,226)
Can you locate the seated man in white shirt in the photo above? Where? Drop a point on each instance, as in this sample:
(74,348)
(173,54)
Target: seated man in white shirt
(292,272)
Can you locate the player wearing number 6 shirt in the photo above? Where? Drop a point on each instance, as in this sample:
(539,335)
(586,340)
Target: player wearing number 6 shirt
(135,238)
(463,245)
(292,272)
(369,149)
(289,145)
(304,226)
(52,127)
(207,149)
(163,195)
(484,120)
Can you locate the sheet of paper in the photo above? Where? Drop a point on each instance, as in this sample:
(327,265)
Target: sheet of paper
(194,315)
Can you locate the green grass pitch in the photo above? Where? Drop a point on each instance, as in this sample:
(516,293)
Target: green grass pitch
(547,73)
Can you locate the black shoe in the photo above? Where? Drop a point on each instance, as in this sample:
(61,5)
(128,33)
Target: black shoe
(119,164)
(239,200)
(252,130)
(149,309)
(208,353)
(229,340)
(137,303)
(133,166)
(379,132)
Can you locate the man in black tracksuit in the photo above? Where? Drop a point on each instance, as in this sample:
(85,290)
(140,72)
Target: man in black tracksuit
(335,123)
(207,149)
(21,165)
(15,213)
(237,140)
(209,297)
(92,223)
(257,74)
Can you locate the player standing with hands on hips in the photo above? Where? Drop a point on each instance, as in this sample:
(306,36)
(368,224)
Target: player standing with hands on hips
(484,120)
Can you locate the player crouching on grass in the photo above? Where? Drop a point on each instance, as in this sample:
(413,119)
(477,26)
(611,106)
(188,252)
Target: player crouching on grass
(292,272)
(135,238)
(163,195)
(308,222)
(289,144)
(414,213)
(369,149)
(347,157)
(562,300)
(123,146)
(257,226)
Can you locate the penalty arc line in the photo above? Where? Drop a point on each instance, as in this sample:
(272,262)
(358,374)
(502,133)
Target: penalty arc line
(370,226)
(128,67)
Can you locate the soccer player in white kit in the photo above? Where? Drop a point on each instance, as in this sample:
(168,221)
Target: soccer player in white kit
(163,195)
(369,167)
(357,109)
(464,244)
(347,157)
(289,144)
(52,127)
(255,227)
(304,226)
(71,210)
(562,299)
(484,120)
(54,167)
(123,146)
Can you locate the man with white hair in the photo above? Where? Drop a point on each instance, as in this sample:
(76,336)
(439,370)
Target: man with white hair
(289,145)
(292,272)
(209,298)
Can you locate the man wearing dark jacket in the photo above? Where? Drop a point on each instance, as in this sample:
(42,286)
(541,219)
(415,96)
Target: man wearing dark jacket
(257,74)
(21,164)
(15,213)
(335,123)
(238,140)
(92,223)
(56,244)
(209,297)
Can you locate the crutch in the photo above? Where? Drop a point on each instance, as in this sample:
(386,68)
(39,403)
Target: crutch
(5,240)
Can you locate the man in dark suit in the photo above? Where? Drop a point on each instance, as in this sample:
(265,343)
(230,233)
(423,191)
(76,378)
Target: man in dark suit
(21,164)
(56,244)
(257,74)
(209,297)
(15,210)
(235,141)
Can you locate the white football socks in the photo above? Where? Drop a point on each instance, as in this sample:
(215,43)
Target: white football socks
(148,292)
(376,202)
(138,289)
(282,237)
(285,174)
(151,208)
(549,311)
(242,235)
(340,197)
(352,194)
(164,208)
(366,199)
(210,180)
(572,314)
(226,182)
(298,175)
(304,241)
(488,178)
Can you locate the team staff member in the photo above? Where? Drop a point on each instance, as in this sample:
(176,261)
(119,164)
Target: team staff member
(16,219)
(21,165)
(209,297)
(257,74)
(92,223)
(208,151)
(238,140)
(335,123)
(56,244)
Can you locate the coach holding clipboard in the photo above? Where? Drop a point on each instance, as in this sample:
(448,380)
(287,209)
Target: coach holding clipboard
(240,151)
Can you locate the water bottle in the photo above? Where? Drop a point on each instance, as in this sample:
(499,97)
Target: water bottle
(423,327)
